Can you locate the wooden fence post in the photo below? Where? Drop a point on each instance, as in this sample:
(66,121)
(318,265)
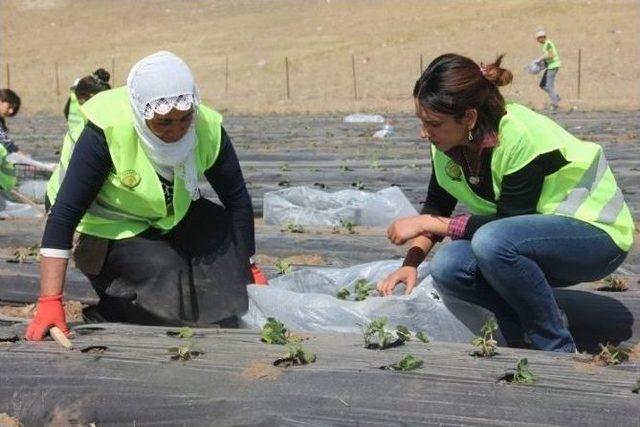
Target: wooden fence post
(8,77)
(355,83)
(286,67)
(113,71)
(421,64)
(579,69)
(226,74)
(57,80)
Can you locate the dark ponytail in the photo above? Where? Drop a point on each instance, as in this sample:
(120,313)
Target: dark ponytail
(92,84)
(452,84)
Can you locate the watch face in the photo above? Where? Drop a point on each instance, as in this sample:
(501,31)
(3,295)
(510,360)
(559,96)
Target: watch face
(453,171)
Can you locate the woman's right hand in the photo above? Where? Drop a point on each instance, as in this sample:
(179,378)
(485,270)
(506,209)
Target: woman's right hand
(405,274)
(50,312)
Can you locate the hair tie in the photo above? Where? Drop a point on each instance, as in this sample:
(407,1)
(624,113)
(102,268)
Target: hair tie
(483,69)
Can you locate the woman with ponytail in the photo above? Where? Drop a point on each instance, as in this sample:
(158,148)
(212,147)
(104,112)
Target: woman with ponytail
(544,209)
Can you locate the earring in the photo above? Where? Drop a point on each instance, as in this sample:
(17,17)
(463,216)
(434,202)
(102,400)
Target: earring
(470,136)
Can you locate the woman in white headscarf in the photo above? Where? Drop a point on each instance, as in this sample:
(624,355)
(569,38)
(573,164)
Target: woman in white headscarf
(154,250)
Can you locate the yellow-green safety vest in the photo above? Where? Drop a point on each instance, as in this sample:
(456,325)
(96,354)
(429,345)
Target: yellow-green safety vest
(7,171)
(75,119)
(555,61)
(132,199)
(584,189)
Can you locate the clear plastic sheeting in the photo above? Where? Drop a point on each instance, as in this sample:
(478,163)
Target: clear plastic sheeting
(10,209)
(35,190)
(306,300)
(535,66)
(308,206)
(25,159)
(363,118)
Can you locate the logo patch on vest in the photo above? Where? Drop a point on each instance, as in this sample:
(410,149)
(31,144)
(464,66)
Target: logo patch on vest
(453,171)
(130,178)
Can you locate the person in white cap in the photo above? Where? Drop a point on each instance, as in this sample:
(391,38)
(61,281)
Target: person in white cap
(551,61)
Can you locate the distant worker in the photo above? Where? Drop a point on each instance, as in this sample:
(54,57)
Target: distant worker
(551,61)
(83,90)
(545,209)
(9,107)
(154,250)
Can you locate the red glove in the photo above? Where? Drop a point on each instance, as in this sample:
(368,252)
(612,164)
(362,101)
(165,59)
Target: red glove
(258,276)
(49,313)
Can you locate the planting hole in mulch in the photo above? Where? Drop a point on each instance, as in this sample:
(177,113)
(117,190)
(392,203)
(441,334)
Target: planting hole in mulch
(286,362)
(88,330)
(12,338)
(94,349)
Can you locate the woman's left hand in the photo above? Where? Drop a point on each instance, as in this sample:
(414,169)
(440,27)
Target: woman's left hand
(404,229)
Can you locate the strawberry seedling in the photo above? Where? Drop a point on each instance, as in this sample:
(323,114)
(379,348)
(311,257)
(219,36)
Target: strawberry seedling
(185,332)
(522,375)
(636,389)
(343,293)
(407,363)
(486,343)
(421,336)
(403,333)
(184,352)
(294,228)
(377,336)
(283,267)
(611,355)
(359,185)
(348,226)
(614,283)
(363,289)
(284,168)
(274,332)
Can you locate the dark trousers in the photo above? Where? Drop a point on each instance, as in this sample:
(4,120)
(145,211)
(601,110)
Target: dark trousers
(196,274)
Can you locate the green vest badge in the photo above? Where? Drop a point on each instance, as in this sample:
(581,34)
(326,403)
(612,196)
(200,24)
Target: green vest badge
(130,178)
(453,171)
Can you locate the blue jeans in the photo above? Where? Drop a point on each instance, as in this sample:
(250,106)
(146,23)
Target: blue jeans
(548,84)
(511,264)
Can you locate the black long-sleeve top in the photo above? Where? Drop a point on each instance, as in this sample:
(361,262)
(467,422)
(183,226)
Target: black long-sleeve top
(90,165)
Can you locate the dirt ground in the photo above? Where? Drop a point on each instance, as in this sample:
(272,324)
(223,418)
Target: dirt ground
(318,38)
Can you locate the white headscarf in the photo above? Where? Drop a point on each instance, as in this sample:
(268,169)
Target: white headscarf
(158,84)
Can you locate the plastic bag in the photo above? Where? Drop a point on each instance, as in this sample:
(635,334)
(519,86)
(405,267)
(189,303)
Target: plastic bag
(363,118)
(306,300)
(308,206)
(535,66)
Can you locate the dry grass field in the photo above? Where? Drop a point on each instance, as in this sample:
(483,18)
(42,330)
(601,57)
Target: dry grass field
(319,37)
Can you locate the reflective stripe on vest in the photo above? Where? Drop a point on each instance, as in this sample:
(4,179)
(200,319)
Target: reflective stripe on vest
(581,192)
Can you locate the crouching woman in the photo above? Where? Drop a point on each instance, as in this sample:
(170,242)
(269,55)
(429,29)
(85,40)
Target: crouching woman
(153,249)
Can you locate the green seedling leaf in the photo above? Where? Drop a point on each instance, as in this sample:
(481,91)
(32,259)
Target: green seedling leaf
(184,352)
(284,167)
(274,332)
(403,333)
(376,336)
(346,168)
(615,283)
(421,336)
(294,228)
(348,226)
(343,293)
(358,185)
(523,375)
(363,289)
(611,355)
(636,389)
(486,343)
(185,332)
(283,267)
(407,363)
